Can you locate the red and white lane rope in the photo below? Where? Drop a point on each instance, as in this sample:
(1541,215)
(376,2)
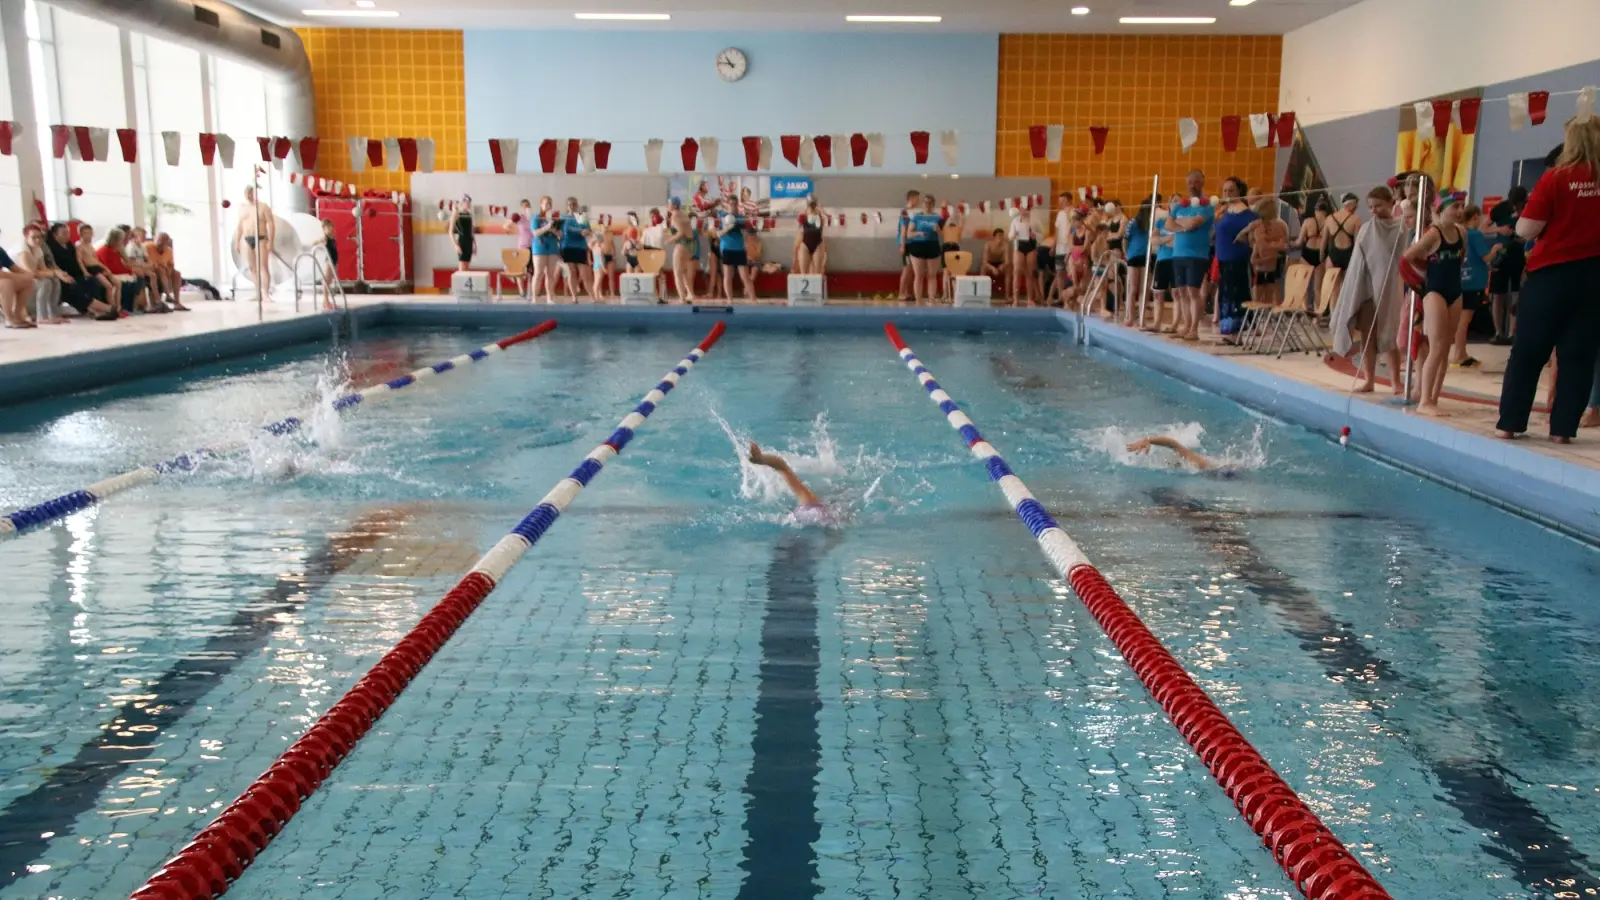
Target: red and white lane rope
(222,850)
(1318,864)
(65,505)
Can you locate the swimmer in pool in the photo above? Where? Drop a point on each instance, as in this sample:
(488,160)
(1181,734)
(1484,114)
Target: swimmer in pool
(812,510)
(1199,462)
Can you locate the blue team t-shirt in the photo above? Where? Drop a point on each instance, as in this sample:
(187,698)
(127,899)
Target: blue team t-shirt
(549,243)
(1163,251)
(1474,270)
(733,240)
(1229,224)
(925,227)
(572,237)
(1195,244)
(1138,239)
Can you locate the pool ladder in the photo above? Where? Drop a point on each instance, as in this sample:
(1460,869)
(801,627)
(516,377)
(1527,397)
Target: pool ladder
(1104,265)
(319,259)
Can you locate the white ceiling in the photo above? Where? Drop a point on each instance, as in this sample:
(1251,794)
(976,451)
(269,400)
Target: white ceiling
(981,16)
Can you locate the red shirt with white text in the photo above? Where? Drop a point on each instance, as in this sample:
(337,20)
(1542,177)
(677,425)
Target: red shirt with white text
(1567,200)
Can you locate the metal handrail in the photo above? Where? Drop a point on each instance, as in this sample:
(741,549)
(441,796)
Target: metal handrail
(1083,299)
(336,286)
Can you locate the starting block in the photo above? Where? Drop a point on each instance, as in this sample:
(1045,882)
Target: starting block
(470,287)
(973,290)
(808,290)
(637,290)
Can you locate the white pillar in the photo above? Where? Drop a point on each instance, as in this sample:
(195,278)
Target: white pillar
(16,103)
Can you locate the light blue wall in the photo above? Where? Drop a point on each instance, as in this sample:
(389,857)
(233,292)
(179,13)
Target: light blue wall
(1499,148)
(628,86)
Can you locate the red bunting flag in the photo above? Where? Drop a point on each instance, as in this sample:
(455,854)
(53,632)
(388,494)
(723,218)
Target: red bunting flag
(1230,133)
(8,132)
(1036,140)
(547,155)
(408,153)
(574,153)
(602,155)
(280,148)
(265,143)
(1469,114)
(1538,104)
(919,146)
(59,135)
(858,150)
(503,152)
(790,146)
(84,142)
(1441,117)
(208,149)
(1098,134)
(308,148)
(129,139)
(1285,129)
(824,145)
(374,152)
(690,151)
(752,152)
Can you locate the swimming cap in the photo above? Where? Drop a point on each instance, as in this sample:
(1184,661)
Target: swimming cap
(676,203)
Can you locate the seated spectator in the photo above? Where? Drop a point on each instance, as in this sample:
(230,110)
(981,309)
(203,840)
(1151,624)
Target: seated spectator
(47,277)
(164,277)
(16,286)
(89,262)
(130,286)
(79,290)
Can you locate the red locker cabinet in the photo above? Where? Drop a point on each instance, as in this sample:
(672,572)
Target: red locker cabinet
(374,235)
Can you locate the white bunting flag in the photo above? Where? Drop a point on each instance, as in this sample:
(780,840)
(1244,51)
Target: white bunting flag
(1261,129)
(709,148)
(652,155)
(1188,133)
(1586,101)
(1519,110)
(841,151)
(171,141)
(586,154)
(875,149)
(1424,119)
(358,153)
(225,148)
(950,146)
(1052,141)
(765,157)
(808,153)
(391,153)
(425,153)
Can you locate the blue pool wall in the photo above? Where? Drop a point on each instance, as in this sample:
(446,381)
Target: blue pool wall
(1558,494)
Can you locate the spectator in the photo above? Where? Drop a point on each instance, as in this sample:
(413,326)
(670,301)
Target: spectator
(255,236)
(1558,309)
(138,261)
(1481,255)
(90,263)
(47,278)
(1233,255)
(16,286)
(164,276)
(130,286)
(1371,293)
(1505,282)
(1269,241)
(79,290)
(1191,255)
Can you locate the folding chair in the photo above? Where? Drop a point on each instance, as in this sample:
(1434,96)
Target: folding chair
(516,263)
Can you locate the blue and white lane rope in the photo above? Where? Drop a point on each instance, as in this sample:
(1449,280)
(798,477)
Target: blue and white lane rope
(65,505)
(1061,550)
(504,554)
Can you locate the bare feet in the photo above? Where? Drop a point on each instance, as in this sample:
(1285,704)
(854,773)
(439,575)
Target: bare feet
(1432,411)
(1364,389)
(1506,435)
(1558,439)
(1591,419)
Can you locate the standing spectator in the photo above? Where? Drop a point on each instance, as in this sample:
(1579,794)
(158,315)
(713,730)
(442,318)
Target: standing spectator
(164,275)
(1191,255)
(16,286)
(131,286)
(254,238)
(1371,293)
(47,279)
(1233,255)
(1558,307)
(1505,283)
(79,290)
(1481,255)
(1269,242)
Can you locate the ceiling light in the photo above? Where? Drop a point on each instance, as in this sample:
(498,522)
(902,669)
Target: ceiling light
(1168,20)
(1240,2)
(365,4)
(623,17)
(350,13)
(1080,10)
(921,19)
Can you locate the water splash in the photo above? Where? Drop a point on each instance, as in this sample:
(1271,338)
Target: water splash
(1114,440)
(318,447)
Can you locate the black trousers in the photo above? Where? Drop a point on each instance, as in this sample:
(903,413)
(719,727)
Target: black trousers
(1560,311)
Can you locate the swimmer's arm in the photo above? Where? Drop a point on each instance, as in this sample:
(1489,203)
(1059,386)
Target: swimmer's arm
(1189,456)
(781,466)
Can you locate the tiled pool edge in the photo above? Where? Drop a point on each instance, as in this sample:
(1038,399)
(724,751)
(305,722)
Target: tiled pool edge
(1555,493)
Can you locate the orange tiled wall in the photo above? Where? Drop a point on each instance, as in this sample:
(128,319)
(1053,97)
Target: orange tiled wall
(381,82)
(1139,87)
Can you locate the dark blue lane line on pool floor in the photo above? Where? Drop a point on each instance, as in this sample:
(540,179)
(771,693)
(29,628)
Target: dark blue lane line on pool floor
(1514,829)
(72,789)
(781,790)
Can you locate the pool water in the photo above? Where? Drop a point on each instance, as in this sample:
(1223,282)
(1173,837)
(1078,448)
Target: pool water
(682,692)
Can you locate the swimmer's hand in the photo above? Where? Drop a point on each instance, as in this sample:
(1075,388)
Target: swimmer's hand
(1140,446)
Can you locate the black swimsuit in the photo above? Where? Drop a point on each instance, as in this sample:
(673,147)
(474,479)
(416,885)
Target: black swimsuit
(464,236)
(810,235)
(1339,257)
(1444,267)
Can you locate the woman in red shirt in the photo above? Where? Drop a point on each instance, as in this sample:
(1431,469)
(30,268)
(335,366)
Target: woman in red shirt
(110,256)
(1560,307)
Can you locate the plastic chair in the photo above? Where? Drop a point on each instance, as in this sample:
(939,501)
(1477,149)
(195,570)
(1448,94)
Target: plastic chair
(1289,323)
(651,261)
(516,263)
(1328,292)
(956,262)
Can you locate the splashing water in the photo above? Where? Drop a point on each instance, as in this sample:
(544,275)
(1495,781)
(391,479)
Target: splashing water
(850,487)
(316,447)
(1114,440)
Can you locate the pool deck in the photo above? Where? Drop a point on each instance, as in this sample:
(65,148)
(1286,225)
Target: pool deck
(1558,485)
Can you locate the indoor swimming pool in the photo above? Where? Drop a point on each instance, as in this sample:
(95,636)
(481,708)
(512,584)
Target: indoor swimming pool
(683,692)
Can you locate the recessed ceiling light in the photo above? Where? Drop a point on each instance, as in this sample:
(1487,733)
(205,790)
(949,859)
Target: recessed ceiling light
(1080,10)
(365,4)
(921,19)
(1240,2)
(350,13)
(623,17)
(1168,20)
